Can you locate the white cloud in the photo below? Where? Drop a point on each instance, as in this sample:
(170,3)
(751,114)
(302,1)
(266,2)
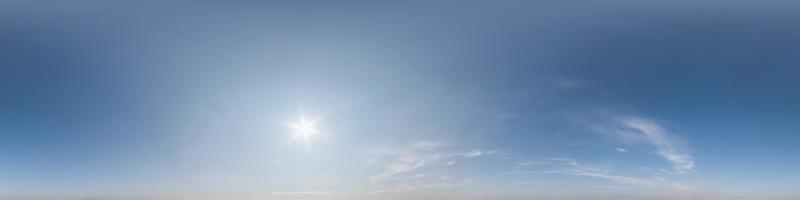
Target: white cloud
(571,167)
(412,157)
(527,163)
(418,176)
(473,153)
(668,147)
(478,152)
(406,161)
(641,130)
(575,168)
(622,149)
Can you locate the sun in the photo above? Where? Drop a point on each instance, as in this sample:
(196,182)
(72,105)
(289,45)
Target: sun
(304,129)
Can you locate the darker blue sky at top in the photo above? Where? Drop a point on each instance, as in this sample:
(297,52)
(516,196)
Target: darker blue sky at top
(81,89)
(63,110)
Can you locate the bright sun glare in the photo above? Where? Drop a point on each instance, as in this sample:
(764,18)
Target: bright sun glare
(304,129)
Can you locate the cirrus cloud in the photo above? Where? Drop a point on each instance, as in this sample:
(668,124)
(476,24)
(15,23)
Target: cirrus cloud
(667,144)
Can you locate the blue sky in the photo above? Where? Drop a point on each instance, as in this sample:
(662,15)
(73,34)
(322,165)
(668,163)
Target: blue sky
(442,100)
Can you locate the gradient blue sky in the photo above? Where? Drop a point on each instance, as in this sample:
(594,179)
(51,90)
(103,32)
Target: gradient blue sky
(440,100)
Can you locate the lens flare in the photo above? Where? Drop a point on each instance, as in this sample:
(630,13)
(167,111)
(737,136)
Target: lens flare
(304,128)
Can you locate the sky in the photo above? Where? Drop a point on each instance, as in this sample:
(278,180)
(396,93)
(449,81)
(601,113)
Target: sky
(400,100)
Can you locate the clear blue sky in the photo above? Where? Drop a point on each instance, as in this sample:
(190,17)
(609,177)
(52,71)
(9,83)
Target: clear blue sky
(377,100)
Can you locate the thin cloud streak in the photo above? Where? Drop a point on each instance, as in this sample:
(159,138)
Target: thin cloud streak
(667,146)
(415,156)
(577,169)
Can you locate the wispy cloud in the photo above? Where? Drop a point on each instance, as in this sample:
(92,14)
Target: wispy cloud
(473,153)
(425,145)
(407,159)
(478,152)
(638,129)
(572,167)
(667,146)
(569,83)
(623,150)
(412,157)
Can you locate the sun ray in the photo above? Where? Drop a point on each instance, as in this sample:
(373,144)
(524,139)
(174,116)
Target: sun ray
(305,129)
